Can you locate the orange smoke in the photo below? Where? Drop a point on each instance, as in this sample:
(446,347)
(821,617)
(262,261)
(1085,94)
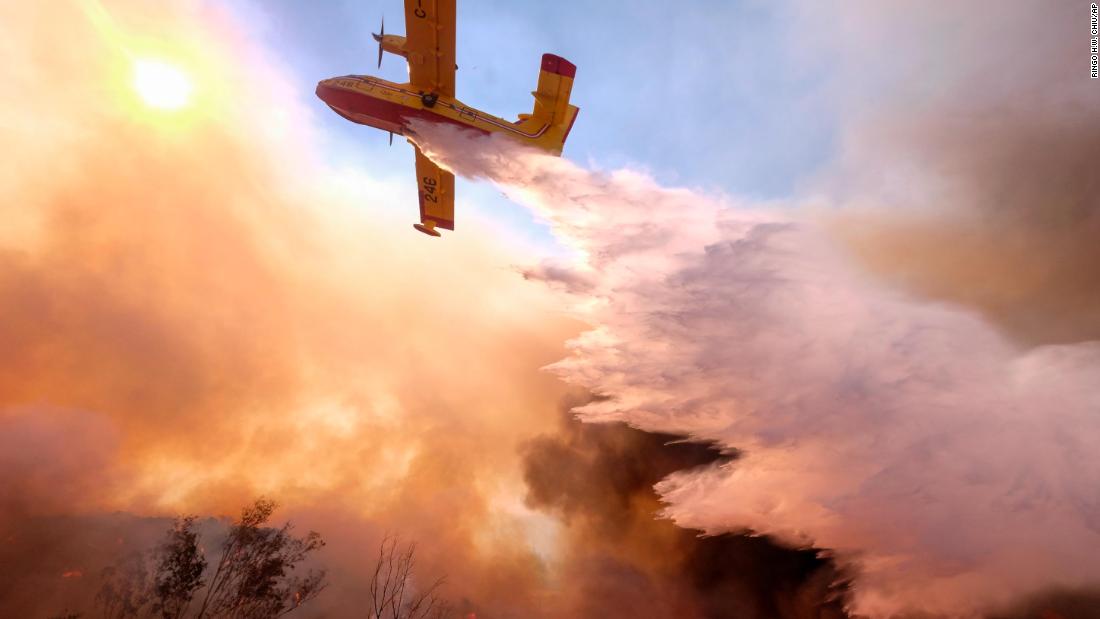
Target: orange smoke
(197,310)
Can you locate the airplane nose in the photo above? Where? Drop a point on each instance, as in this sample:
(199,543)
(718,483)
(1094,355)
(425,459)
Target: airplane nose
(324,87)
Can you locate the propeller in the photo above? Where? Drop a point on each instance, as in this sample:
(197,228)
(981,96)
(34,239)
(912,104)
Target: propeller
(378,37)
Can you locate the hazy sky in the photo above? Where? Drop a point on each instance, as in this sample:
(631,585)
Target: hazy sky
(710,94)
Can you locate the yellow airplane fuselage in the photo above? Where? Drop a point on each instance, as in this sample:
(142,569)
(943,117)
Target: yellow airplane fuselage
(390,106)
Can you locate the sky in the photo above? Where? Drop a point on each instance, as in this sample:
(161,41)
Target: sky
(708,94)
(818,288)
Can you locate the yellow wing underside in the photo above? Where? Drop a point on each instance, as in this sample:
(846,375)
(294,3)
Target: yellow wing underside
(430,42)
(436,187)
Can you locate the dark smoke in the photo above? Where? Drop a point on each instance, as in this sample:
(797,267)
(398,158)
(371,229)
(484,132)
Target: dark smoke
(1015,231)
(1056,604)
(54,563)
(631,563)
(980,170)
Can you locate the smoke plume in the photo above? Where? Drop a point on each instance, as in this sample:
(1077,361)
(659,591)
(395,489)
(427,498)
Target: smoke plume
(967,154)
(197,310)
(598,478)
(909,437)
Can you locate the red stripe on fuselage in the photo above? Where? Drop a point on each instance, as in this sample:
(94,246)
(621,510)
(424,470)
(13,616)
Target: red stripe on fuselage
(360,107)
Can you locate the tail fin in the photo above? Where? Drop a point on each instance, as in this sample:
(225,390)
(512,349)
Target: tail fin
(552,108)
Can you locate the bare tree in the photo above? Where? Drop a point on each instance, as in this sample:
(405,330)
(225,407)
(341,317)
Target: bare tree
(251,580)
(393,592)
(179,567)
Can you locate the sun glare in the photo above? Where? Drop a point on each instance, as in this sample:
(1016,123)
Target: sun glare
(161,85)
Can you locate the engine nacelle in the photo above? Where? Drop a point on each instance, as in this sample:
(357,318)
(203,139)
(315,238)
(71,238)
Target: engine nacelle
(393,44)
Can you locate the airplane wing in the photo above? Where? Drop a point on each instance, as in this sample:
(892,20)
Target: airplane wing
(430,42)
(437,193)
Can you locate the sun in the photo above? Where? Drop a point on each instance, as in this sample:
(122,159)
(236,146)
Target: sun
(161,84)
